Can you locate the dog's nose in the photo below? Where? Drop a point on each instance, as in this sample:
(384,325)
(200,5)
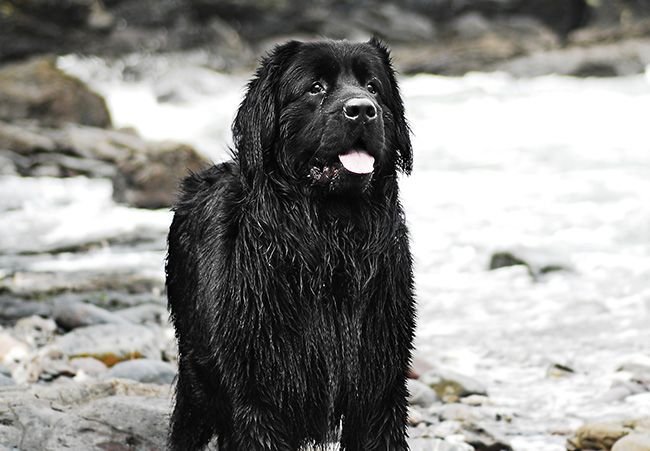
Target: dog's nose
(360,109)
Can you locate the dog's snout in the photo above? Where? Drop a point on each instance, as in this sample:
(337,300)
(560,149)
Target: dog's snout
(360,109)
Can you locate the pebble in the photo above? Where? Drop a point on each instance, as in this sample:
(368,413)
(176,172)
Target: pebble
(71,315)
(89,365)
(110,343)
(148,313)
(143,370)
(12,309)
(6,380)
(451,386)
(422,444)
(35,331)
(633,442)
(600,435)
(12,350)
(458,412)
(421,394)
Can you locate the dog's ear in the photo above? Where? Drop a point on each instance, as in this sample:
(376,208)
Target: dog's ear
(402,131)
(255,127)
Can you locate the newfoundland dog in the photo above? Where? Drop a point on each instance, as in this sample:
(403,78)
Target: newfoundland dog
(289,272)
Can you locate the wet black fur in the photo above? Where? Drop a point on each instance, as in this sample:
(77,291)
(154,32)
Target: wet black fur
(289,279)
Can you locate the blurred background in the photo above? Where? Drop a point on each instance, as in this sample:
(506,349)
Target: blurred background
(529,208)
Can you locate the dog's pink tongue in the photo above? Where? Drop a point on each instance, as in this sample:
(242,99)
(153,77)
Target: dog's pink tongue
(357,161)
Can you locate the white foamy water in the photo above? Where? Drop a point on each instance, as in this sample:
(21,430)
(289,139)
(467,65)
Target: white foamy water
(554,168)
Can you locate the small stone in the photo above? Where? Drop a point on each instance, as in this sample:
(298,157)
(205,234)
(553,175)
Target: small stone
(475,400)
(598,435)
(633,442)
(458,412)
(12,350)
(6,381)
(89,365)
(480,437)
(35,331)
(143,370)
(423,444)
(451,386)
(557,370)
(12,309)
(110,343)
(71,315)
(415,416)
(421,394)
(418,367)
(145,314)
(537,262)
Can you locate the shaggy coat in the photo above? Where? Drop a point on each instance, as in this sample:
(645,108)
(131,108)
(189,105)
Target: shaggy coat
(289,276)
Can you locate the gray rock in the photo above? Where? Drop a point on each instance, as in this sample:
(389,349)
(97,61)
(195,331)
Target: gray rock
(99,415)
(110,343)
(421,394)
(70,315)
(13,308)
(143,370)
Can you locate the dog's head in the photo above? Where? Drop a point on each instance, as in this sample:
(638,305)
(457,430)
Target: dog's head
(325,114)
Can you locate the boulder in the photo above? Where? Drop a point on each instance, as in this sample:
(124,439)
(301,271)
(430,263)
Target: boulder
(38,90)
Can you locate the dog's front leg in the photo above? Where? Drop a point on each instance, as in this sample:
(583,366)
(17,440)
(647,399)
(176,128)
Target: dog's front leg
(256,429)
(377,423)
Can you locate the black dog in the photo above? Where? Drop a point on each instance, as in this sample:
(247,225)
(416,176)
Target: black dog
(289,272)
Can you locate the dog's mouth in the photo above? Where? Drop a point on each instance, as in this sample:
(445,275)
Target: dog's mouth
(351,166)
(357,161)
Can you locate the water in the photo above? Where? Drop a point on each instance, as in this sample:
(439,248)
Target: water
(557,169)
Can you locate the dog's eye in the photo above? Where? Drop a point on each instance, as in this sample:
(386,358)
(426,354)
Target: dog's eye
(372,88)
(317,88)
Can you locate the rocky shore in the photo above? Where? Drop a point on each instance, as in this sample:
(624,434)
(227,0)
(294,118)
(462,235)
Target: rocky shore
(87,355)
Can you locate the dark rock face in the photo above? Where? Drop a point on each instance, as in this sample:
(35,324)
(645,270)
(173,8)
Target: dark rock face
(425,35)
